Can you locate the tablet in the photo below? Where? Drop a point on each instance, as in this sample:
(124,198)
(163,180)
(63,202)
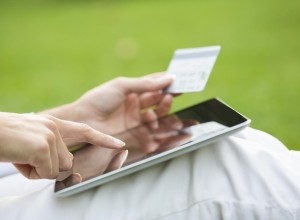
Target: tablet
(149,144)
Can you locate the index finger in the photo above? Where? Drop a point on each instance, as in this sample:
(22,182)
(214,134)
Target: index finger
(74,133)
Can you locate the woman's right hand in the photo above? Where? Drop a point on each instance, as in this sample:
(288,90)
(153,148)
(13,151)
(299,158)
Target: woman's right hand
(37,144)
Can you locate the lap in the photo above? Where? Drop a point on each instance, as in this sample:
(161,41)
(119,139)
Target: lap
(247,176)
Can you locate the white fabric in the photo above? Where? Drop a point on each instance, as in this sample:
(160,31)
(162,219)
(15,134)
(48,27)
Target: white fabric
(248,176)
(7,169)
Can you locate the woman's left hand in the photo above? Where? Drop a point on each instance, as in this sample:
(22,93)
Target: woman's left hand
(121,103)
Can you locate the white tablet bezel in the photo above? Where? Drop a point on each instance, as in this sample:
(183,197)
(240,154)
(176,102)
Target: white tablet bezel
(153,160)
(129,169)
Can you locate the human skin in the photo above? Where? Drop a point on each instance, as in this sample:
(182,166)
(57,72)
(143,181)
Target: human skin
(37,144)
(113,107)
(120,104)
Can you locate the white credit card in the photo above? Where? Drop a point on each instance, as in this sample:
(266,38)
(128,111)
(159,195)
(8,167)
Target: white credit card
(191,68)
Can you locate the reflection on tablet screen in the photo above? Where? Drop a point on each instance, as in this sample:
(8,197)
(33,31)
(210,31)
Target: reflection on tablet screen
(147,140)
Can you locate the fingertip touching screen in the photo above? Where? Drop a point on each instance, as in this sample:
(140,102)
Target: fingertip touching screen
(150,139)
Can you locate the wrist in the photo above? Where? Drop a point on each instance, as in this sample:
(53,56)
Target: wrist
(65,112)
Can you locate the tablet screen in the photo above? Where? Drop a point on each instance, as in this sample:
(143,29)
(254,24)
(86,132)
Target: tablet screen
(150,139)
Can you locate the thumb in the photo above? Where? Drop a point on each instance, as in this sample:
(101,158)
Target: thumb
(117,161)
(143,84)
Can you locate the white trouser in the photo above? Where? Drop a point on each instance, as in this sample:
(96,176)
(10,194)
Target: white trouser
(247,176)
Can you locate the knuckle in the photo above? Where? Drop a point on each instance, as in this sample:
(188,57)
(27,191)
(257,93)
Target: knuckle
(35,160)
(86,130)
(53,174)
(45,116)
(149,83)
(50,124)
(121,79)
(69,165)
(50,137)
(43,147)
(28,141)
(66,164)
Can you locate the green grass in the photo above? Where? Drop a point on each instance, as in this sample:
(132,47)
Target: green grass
(51,52)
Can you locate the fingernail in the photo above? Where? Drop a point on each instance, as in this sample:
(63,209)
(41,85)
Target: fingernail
(119,143)
(71,156)
(124,155)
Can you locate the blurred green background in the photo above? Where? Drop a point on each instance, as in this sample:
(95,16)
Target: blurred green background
(53,51)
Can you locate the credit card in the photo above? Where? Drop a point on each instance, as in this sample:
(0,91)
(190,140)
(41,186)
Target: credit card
(191,68)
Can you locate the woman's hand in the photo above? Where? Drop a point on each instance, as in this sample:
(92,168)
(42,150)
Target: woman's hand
(37,145)
(120,104)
